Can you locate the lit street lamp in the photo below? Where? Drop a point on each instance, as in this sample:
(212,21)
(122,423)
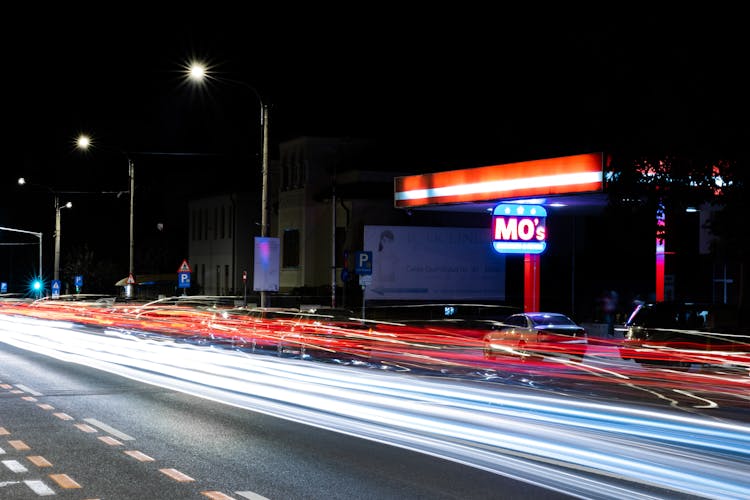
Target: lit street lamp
(198,72)
(58,232)
(83,142)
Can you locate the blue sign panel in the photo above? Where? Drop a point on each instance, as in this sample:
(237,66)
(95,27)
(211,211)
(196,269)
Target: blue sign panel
(183,280)
(55,288)
(3,287)
(363,263)
(79,281)
(519,228)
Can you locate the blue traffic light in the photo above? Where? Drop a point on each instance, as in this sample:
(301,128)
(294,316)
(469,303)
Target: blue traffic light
(37,286)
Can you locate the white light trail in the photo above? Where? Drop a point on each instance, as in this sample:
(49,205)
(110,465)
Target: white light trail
(569,445)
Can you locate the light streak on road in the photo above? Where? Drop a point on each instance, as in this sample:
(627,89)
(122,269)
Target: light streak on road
(581,448)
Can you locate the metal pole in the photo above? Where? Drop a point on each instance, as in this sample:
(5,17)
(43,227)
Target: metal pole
(38,235)
(40,255)
(131,266)
(264,195)
(57,239)
(333,244)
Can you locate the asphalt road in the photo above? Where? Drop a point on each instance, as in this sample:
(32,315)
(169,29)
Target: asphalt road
(71,431)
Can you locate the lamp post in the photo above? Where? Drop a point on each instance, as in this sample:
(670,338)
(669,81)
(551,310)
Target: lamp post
(131,258)
(58,232)
(198,73)
(83,142)
(38,235)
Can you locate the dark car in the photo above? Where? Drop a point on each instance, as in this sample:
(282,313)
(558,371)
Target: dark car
(679,332)
(537,334)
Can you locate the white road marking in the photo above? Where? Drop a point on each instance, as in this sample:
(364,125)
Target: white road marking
(251,495)
(108,429)
(29,390)
(15,466)
(39,488)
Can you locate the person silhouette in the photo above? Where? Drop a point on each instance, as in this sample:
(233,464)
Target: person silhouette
(387,259)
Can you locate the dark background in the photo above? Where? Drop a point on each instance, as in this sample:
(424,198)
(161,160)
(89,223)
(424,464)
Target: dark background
(436,89)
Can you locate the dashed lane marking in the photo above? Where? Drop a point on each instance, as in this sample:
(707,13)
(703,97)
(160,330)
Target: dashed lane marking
(19,445)
(39,488)
(15,466)
(107,428)
(176,475)
(65,481)
(63,416)
(29,390)
(6,386)
(110,440)
(39,461)
(4,431)
(216,495)
(29,398)
(142,457)
(45,406)
(16,391)
(250,495)
(2,451)
(85,428)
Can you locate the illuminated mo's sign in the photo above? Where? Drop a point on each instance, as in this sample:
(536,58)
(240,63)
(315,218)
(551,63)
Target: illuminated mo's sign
(519,228)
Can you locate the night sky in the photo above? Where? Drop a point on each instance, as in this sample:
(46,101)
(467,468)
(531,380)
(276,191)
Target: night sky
(437,90)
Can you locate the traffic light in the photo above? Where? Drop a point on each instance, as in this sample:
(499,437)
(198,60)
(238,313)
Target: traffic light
(37,286)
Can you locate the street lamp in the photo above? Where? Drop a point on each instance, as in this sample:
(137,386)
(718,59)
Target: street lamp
(58,232)
(39,236)
(58,229)
(198,72)
(83,142)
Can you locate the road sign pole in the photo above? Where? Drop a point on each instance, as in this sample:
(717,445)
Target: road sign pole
(363,302)
(244,282)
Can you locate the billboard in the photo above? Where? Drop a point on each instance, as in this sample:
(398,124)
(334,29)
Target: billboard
(266,265)
(433,264)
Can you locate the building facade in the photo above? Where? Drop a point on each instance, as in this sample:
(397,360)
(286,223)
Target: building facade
(221,230)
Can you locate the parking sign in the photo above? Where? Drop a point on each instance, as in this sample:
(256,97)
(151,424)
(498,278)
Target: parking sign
(363,263)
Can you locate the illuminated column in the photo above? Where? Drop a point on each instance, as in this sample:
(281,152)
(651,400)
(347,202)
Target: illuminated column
(519,228)
(531,274)
(660,225)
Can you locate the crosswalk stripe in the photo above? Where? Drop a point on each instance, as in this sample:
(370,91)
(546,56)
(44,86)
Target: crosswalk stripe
(39,488)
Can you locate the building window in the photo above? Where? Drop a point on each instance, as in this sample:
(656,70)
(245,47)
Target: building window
(231,221)
(215,226)
(291,248)
(223,222)
(205,223)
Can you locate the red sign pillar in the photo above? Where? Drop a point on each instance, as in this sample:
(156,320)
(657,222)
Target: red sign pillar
(660,252)
(531,274)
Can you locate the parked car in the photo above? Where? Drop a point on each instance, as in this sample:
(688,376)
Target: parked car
(536,334)
(680,333)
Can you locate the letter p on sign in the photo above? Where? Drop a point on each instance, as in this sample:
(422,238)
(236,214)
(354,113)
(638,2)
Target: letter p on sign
(363,263)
